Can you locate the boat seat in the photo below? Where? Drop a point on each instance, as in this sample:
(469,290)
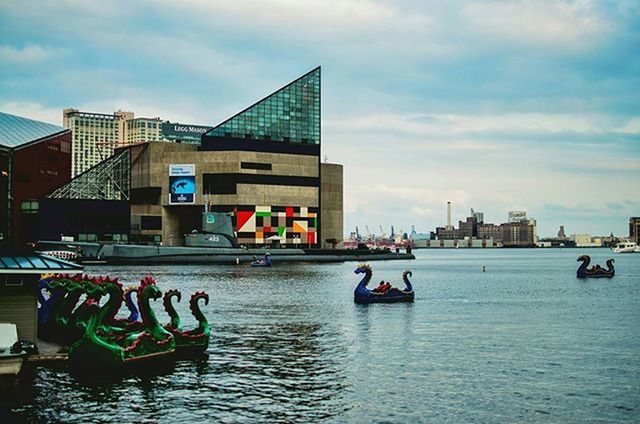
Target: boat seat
(8,335)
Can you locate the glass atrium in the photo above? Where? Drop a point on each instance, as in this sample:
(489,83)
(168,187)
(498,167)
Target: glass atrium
(291,114)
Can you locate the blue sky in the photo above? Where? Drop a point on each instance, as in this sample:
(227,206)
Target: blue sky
(492,105)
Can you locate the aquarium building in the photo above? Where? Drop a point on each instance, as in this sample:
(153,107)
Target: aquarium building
(261,167)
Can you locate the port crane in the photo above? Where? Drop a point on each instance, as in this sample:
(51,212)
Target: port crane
(382,233)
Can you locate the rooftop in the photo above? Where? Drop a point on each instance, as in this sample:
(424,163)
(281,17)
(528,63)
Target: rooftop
(16,131)
(25,261)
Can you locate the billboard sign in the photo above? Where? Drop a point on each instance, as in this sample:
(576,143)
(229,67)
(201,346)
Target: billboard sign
(517,216)
(182,184)
(173,131)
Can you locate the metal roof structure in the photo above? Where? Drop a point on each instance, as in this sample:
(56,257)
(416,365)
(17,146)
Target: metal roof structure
(108,180)
(29,262)
(16,131)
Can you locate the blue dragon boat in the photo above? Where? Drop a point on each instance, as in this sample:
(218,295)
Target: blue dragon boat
(363,295)
(264,262)
(595,271)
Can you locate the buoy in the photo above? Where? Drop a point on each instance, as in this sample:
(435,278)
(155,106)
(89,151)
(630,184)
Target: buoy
(237,261)
(483,268)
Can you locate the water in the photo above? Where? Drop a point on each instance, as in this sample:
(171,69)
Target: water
(523,341)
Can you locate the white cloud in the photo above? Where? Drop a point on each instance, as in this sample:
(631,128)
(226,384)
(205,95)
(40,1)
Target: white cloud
(550,23)
(28,55)
(441,124)
(33,110)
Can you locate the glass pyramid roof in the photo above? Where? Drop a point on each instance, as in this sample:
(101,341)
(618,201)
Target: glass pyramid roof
(16,130)
(108,180)
(291,114)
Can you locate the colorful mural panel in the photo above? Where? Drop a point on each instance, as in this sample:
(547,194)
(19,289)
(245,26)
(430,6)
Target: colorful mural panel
(267,225)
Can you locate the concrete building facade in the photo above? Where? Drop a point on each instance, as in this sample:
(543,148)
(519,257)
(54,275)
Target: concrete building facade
(260,167)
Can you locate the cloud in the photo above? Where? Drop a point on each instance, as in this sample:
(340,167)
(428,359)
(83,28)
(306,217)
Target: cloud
(33,110)
(30,54)
(547,23)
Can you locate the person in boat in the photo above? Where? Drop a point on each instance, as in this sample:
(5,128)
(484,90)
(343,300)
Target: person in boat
(380,287)
(386,287)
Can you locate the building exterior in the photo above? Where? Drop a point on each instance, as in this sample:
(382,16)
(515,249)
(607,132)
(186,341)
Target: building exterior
(35,158)
(561,234)
(261,167)
(634,229)
(518,234)
(489,231)
(96,135)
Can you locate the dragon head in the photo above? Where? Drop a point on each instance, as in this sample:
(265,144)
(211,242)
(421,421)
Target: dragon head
(362,268)
(166,300)
(148,285)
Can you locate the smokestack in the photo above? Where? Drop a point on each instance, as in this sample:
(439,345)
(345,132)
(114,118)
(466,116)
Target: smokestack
(449,216)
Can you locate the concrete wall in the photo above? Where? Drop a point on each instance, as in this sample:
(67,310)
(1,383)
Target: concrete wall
(150,169)
(332,209)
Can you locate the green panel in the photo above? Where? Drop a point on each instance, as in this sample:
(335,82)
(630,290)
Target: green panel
(290,114)
(281,231)
(265,214)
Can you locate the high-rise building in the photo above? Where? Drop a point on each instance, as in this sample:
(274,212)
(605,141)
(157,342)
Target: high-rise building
(634,229)
(95,135)
(561,234)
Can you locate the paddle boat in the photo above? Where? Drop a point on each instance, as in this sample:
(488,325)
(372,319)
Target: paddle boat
(265,261)
(188,342)
(595,271)
(102,348)
(364,295)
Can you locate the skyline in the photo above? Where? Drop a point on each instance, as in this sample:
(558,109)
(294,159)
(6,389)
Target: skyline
(522,106)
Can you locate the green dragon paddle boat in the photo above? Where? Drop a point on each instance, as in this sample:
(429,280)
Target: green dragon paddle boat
(189,342)
(103,349)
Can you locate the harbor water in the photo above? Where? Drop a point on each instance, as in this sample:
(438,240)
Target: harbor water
(522,341)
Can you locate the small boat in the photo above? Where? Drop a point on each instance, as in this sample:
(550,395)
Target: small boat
(595,271)
(391,295)
(264,262)
(188,342)
(66,255)
(102,350)
(627,247)
(12,352)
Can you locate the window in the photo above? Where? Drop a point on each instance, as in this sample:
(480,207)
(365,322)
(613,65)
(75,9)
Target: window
(255,165)
(29,206)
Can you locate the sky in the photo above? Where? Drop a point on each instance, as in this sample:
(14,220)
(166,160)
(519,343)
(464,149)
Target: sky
(491,105)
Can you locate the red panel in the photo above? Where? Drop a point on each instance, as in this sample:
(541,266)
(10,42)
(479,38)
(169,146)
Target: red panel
(311,238)
(243,217)
(289,211)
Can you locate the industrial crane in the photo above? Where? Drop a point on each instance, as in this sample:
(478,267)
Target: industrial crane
(382,233)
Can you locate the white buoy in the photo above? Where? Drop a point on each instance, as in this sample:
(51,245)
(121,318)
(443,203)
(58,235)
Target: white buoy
(237,261)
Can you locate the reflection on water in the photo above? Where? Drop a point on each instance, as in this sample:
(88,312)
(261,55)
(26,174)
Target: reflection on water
(523,341)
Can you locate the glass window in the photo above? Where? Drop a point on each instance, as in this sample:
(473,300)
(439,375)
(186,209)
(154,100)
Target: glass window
(290,114)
